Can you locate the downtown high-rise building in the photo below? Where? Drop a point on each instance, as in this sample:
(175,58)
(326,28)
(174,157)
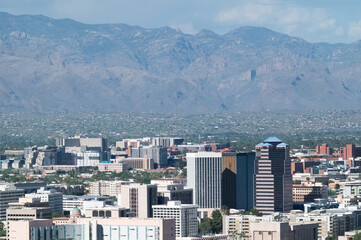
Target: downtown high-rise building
(204,176)
(139,198)
(273,178)
(237,180)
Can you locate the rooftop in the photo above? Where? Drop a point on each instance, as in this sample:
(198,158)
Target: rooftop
(272,140)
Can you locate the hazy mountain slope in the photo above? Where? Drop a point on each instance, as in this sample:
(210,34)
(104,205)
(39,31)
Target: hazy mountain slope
(51,65)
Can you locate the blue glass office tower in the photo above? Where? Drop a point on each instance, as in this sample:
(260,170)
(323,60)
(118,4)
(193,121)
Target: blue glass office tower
(237,180)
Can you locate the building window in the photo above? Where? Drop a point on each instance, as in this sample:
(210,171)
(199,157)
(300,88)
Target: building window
(101,213)
(95,213)
(108,213)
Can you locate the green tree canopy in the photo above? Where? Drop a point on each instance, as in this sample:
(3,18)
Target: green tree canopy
(357,236)
(205,226)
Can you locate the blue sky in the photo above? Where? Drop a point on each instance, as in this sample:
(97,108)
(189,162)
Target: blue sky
(314,20)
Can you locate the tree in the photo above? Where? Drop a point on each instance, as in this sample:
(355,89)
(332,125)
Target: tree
(357,236)
(238,235)
(184,173)
(337,186)
(211,225)
(2,230)
(205,226)
(332,193)
(254,212)
(2,233)
(216,221)
(297,182)
(330,237)
(225,210)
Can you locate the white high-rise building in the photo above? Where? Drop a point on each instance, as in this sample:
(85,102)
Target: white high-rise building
(204,175)
(185,215)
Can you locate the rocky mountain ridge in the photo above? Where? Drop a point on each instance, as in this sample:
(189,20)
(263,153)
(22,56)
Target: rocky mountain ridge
(49,65)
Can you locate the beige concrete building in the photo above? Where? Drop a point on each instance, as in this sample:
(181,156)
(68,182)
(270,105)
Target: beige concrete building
(348,236)
(308,192)
(139,198)
(282,231)
(95,229)
(138,163)
(134,143)
(21,230)
(28,209)
(240,223)
(107,212)
(112,167)
(107,188)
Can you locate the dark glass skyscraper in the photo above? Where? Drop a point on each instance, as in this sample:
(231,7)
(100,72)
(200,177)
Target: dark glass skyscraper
(273,178)
(237,180)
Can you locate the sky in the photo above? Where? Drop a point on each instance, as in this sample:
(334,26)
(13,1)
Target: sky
(331,21)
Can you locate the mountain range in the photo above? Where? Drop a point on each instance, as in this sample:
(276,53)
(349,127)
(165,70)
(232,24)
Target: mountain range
(49,65)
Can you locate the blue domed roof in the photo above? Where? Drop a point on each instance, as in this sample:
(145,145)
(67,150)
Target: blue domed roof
(75,212)
(272,140)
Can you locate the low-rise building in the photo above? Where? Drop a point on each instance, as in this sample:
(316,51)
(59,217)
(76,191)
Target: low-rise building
(107,188)
(83,202)
(112,167)
(54,198)
(137,163)
(108,212)
(28,209)
(352,189)
(8,194)
(283,231)
(96,229)
(308,192)
(185,216)
(174,192)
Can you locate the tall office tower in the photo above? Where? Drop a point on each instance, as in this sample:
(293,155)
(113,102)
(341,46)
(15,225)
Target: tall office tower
(237,180)
(139,198)
(204,176)
(273,178)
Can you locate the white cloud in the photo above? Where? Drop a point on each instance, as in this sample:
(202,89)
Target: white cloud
(248,13)
(185,28)
(354,30)
(284,17)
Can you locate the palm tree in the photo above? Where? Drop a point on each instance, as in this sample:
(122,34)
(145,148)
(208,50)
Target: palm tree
(238,235)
